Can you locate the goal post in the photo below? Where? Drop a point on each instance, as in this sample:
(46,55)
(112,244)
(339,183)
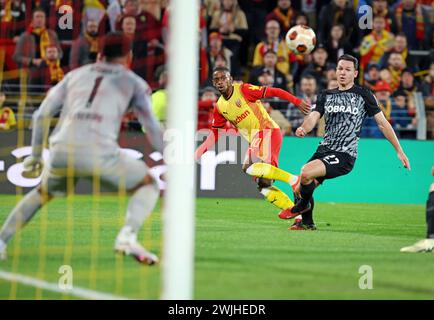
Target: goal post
(179,202)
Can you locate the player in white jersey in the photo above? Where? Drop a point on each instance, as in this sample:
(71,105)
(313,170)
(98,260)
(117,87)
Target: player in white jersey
(92,101)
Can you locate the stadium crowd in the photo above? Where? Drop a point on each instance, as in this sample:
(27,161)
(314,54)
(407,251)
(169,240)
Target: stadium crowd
(39,45)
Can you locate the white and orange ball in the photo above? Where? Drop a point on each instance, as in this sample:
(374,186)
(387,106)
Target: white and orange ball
(301,39)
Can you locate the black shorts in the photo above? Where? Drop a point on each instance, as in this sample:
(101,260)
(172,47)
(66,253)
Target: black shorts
(336,163)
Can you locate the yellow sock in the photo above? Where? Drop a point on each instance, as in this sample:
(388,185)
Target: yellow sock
(267,171)
(277,197)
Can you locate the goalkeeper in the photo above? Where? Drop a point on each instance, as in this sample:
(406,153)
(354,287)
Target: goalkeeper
(240,104)
(92,100)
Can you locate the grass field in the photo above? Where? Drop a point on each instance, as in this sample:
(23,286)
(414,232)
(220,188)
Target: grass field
(243,251)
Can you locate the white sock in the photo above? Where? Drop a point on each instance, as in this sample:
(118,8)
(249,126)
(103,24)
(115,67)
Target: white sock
(140,206)
(21,214)
(293,179)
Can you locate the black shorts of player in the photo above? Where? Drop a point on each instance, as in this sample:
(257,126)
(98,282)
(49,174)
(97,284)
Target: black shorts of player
(336,163)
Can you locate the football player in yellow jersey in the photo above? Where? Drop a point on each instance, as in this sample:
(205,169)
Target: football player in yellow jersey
(240,104)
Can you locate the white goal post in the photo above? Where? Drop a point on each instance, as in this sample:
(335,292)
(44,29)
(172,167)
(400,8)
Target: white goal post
(179,202)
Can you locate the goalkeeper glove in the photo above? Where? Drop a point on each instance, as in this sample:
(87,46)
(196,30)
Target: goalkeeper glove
(32,167)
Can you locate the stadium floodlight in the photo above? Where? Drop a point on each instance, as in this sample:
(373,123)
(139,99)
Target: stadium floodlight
(179,204)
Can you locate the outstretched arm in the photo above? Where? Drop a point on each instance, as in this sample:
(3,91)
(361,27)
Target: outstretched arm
(390,135)
(253,93)
(308,124)
(207,144)
(284,95)
(218,122)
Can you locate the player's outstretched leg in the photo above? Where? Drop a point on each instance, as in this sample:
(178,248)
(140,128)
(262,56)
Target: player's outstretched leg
(426,245)
(268,171)
(308,183)
(305,222)
(20,216)
(277,197)
(140,206)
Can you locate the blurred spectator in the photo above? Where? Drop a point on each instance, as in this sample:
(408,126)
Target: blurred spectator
(55,12)
(399,46)
(403,120)
(84,49)
(155,7)
(408,83)
(219,61)
(277,78)
(337,45)
(32,44)
(95,10)
(279,118)
(376,43)
(230,21)
(427,86)
(302,19)
(165,26)
(308,7)
(147,39)
(139,47)
(318,66)
(7,116)
(203,55)
(48,73)
(211,6)
(272,42)
(256,12)
(265,79)
(385,75)
(159,97)
(284,14)
(382,92)
(12,18)
(395,66)
(330,72)
(308,92)
(412,19)
(336,12)
(381,8)
(114,10)
(372,76)
(206,105)
(148,28)
(216,48)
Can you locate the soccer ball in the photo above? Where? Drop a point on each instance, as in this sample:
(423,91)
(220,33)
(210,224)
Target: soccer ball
(300,39)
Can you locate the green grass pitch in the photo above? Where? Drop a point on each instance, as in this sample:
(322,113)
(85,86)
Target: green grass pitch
(243,251)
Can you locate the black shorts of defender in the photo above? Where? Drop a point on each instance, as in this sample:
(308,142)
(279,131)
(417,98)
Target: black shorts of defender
(336,163)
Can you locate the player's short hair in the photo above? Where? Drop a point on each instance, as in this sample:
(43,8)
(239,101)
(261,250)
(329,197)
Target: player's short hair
(221,69)
(115,45)
(348,57)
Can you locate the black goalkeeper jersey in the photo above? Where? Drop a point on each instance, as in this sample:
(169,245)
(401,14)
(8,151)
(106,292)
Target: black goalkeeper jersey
(344,112)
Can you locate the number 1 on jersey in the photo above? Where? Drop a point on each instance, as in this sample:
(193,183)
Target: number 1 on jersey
(94,91)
